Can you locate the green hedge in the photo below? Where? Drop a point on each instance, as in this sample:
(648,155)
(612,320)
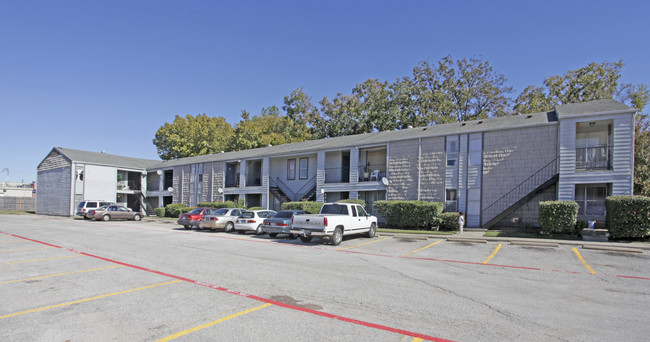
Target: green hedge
(173,210)
(628,216)
(409,214)
(160,212)
(226,204)
(558,217)
(307,206)
(187,209)
(206,204)
(353,201)
(256,208)
(448,221)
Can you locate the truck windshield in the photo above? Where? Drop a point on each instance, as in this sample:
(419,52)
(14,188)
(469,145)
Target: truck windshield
(335,209)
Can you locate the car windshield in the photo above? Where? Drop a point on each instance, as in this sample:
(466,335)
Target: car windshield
(195,211)
(221,212)
(81,205)
(284,214)
(247,214)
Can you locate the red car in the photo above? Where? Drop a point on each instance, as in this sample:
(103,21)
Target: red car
(194,217)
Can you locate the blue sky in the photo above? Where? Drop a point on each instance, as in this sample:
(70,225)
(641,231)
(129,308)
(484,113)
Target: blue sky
(105,75)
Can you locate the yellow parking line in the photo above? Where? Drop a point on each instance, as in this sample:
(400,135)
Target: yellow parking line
(365,243)
(416,339)
(21,261)
(591,270)
(423,248)
(492,255)
(61,274)
(23,249)
(185,332)
(88,299)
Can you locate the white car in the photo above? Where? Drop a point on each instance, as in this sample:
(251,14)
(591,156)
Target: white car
(252,220)
(223,218)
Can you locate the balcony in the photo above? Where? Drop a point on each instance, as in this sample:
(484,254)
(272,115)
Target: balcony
(594,158)
(232,180)
(337,175)
(371,173)
(253,179)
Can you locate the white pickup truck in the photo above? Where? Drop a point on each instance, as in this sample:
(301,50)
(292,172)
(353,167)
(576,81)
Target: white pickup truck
(334,221)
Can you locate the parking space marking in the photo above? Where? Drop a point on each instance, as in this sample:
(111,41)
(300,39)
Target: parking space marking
(242,294)
(591,270)
(88,299)
(492,255)
(61,274)
(365,243)
(185,332)
(23,249)
(43,259)
(421,249)
(11,241)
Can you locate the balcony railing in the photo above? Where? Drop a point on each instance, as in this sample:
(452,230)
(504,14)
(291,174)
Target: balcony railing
(253,179)
(594,158)
(128,185)
(371,173)
(232,180)
(337,174)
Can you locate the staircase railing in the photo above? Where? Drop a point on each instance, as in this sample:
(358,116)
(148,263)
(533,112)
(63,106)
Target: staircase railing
(306,189)
(522,189)
(284,188)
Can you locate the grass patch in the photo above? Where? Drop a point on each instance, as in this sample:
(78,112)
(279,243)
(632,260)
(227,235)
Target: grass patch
(17,212)
(531,235)
(417,232)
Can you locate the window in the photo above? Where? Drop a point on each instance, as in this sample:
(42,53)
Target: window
(452,150)
(591,198)
(291,169)
(475,150)
(354,211)
(362,212)
(451,200)
(304,167)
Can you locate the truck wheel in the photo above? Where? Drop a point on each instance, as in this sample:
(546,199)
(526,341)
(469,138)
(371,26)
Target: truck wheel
(229,227)
(373,230)
(337,237)
(293,236)
(305,239)
(273,235)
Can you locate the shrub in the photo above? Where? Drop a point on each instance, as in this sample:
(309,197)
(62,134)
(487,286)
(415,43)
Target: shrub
(173,210)
(580,225)
(307,206)
(160,212)
(186,210)
(256,208)
(628,216)
(409,214)
(558,217)
(226,204)
(206,204)
(448,221)
(353,201)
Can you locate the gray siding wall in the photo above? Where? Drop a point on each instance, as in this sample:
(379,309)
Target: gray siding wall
(217,179)
(403,166)
(432,166)
(512,156)
(53,192)
(527,216)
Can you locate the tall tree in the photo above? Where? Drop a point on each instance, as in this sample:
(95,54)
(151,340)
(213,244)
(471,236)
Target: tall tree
(191,136)
(268,128)
(638,97)
(301,110)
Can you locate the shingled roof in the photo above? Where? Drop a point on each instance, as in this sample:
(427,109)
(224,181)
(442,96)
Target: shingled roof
(101,158)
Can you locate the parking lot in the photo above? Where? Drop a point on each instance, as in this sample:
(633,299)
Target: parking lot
(68,279)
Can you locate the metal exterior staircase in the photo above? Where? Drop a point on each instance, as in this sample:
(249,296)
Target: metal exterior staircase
(522,193)
(284,194)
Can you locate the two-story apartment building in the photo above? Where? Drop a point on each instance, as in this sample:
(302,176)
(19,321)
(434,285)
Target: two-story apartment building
(493,170)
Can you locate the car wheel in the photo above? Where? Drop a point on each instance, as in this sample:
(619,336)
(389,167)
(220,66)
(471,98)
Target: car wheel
(136,217)
(305,239)
(106,217)
(273,235)
(337,237)
(373,230)
(199,226)
(258,230)
(229,227)
(187,227)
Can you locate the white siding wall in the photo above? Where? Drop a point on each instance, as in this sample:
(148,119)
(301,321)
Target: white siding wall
(100,183)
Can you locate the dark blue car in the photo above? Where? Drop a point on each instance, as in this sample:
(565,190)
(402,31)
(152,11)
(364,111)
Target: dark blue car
(280,223)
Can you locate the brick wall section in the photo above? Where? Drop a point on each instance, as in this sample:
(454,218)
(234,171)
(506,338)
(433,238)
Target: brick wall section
(512,156)
(432,177)
(403,170)
(527,216)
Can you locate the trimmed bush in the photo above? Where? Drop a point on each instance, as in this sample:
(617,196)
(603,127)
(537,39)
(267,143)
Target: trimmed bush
(448,221)
(173,210)
(409,214)
(160,212)
(558,217)
(353,201)
(257,208)
(186,210)
(307,206)
(206,204)
(226,204)
(628,216)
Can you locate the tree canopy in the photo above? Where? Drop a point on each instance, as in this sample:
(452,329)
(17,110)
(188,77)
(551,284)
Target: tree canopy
(192,136)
